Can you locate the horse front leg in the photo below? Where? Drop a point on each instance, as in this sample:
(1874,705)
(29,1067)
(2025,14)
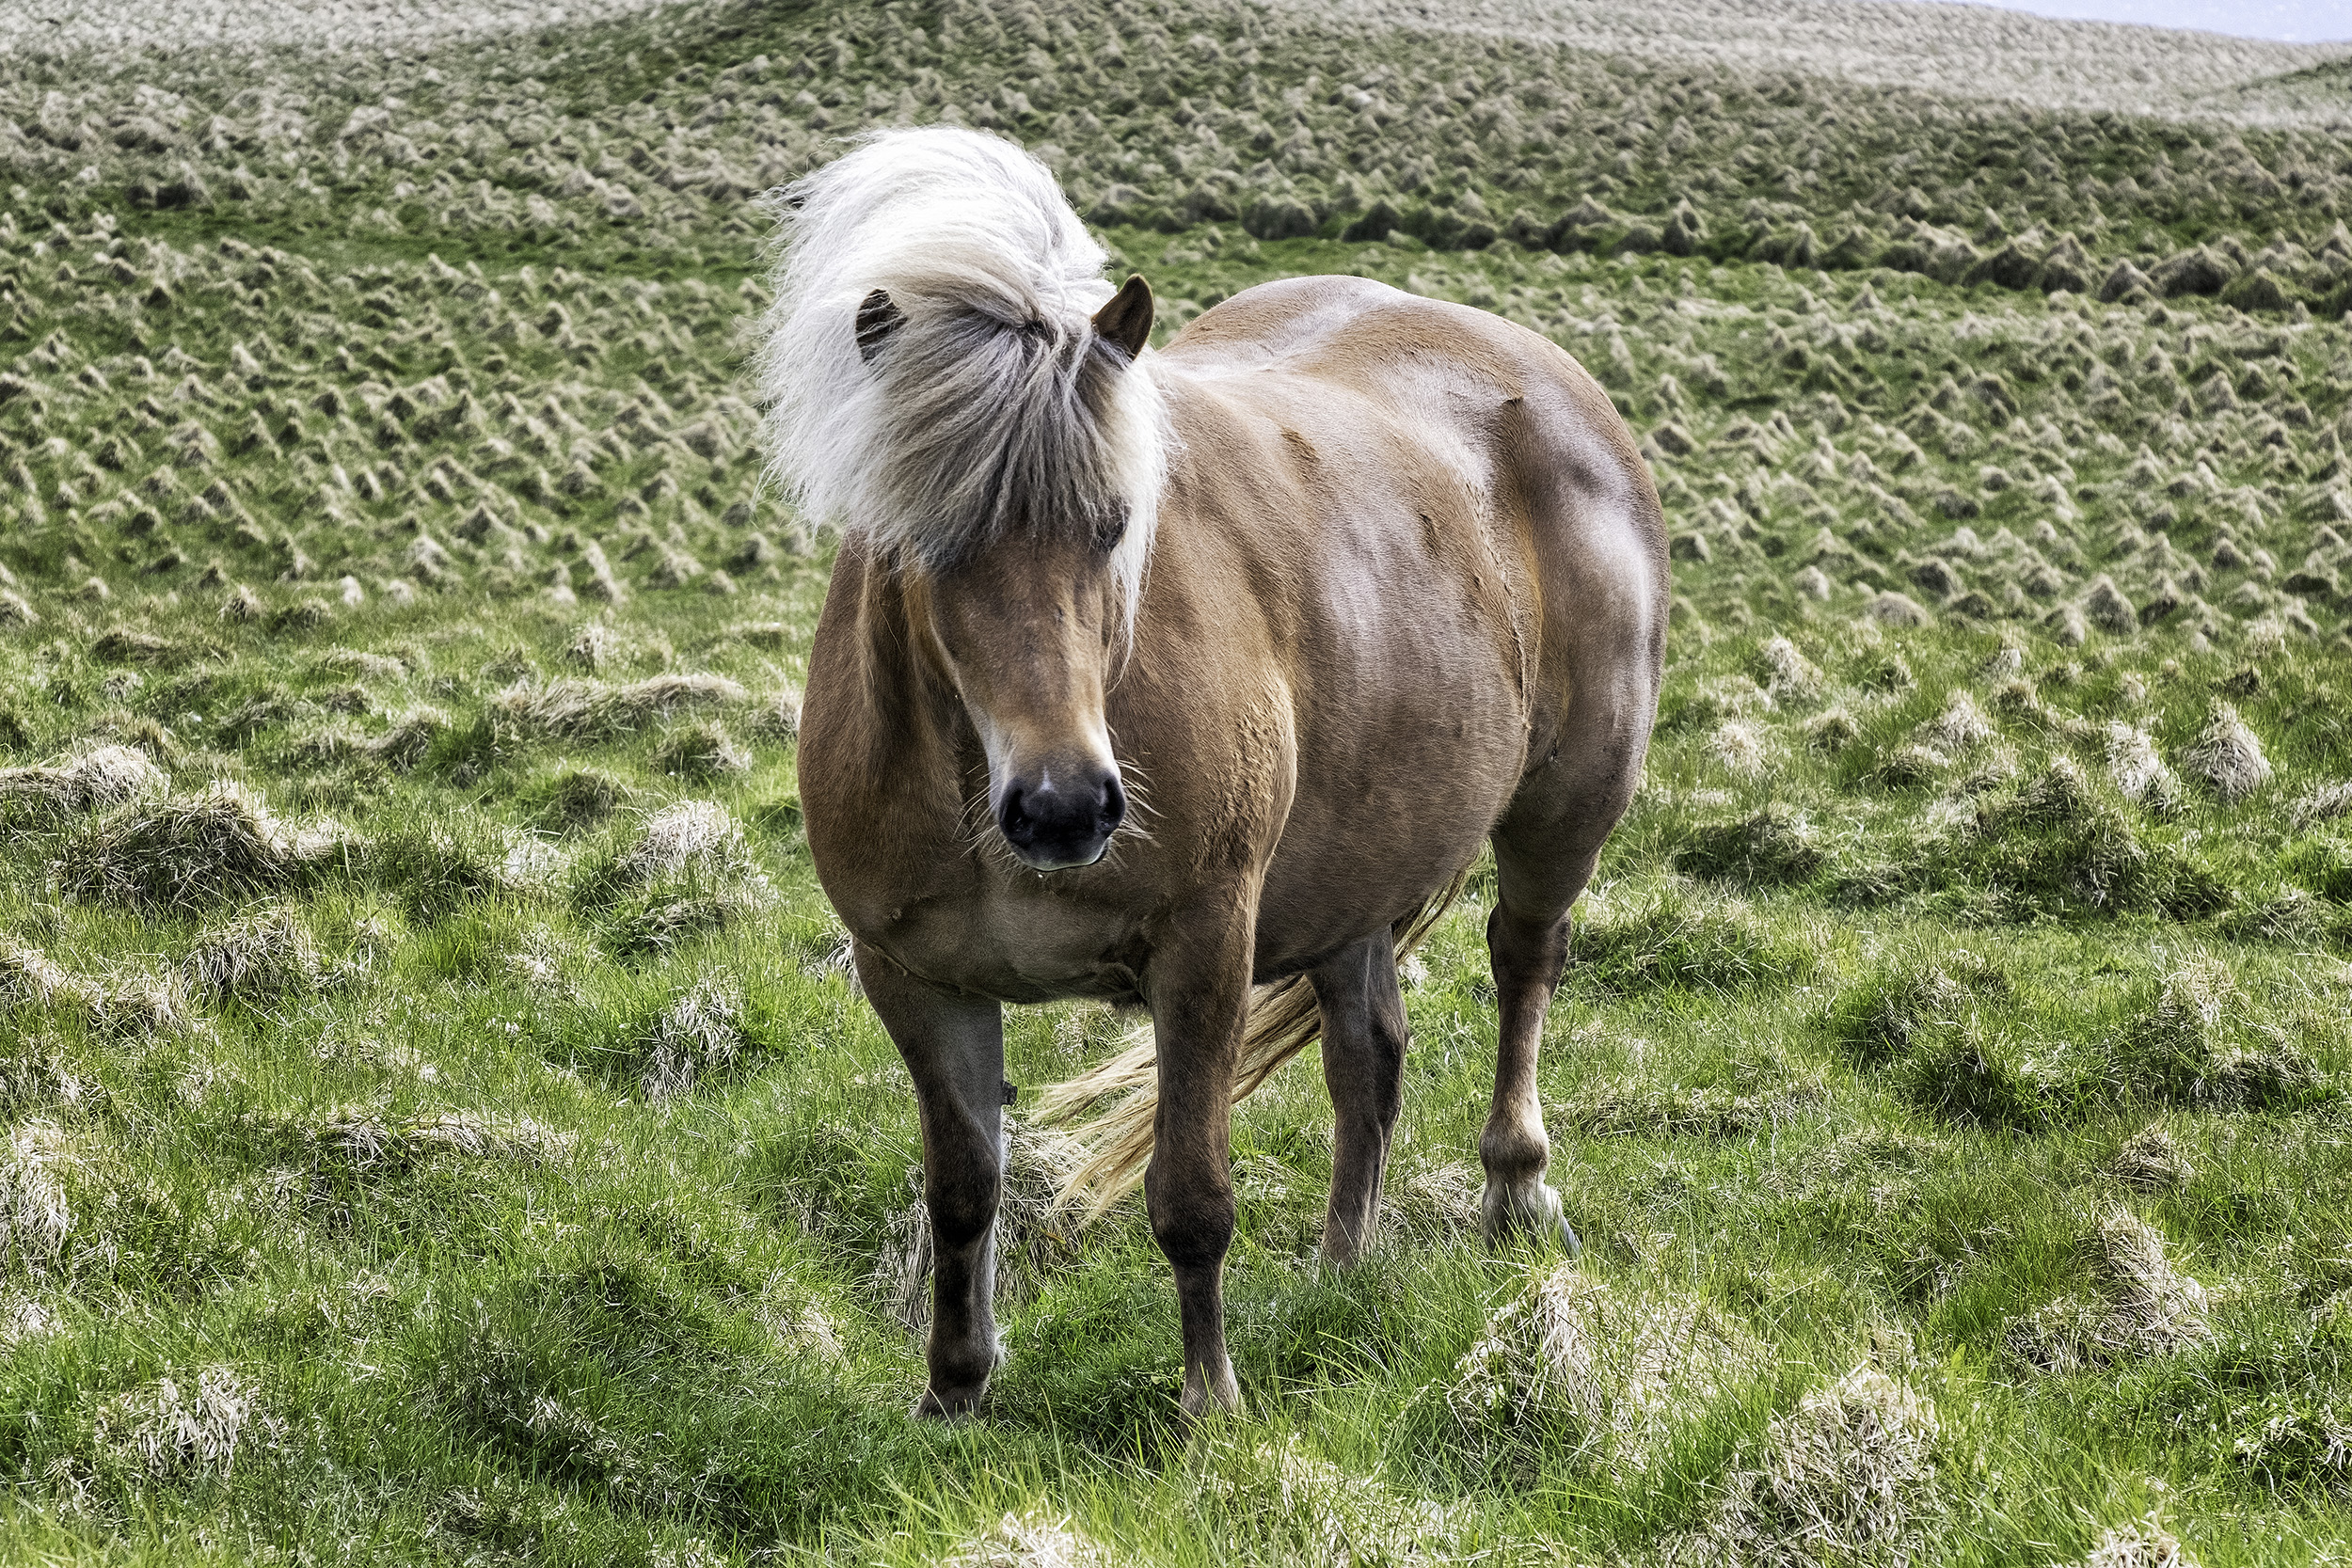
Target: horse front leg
(954,1048)
(1198,987)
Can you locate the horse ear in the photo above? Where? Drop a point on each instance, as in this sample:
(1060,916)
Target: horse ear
(877,319)
(1127,319)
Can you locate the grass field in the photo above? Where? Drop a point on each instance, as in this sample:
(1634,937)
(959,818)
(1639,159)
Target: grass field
(439,1128)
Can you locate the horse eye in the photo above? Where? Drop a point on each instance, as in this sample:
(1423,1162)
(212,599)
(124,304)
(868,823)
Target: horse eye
(1108,532)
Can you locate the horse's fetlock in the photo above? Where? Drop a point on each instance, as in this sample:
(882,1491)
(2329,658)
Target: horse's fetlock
(1514,1156)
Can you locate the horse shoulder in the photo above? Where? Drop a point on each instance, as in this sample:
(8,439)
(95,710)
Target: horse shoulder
(876,773)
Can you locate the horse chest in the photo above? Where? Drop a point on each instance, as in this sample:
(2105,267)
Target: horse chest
(995,937)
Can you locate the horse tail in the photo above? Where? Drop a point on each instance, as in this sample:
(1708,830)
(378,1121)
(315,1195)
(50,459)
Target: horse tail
(1284,1019)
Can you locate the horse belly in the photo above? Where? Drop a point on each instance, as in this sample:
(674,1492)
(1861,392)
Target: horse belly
(1395,801)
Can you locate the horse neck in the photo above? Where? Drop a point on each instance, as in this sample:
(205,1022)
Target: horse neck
(914,715)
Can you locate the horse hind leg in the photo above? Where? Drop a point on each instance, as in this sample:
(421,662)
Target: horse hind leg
(1546,849)
(1363,1065)
(1529,949)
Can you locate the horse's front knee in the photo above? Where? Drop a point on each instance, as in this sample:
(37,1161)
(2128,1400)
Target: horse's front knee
(1193,1215)
(963,1202)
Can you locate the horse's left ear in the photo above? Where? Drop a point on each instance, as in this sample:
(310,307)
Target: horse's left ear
(877,319)
(1127,319)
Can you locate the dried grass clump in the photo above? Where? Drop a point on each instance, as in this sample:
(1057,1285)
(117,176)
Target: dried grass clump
(2183,1048)
(1301,1509)
(35,1215)
(2151,1161)
(579,798)
(256,958)
(1891,609)
(700,1033)
(1961,727)
(1627,1107)
(2138,1305)
(30,978)
(368,1138)
(1848,1476)
(1911,766)
(1673,938)
(2138,773)
(777,719)
(2299,1448)
(1608,1370)
(1741,746)
(1833,731)
(168,1431)
(596,710)
(700,753)
(1907,1006)
(1026,1541)
(2141,1544)
(691,836)
(98,780)
(187,854)
(1776,845)
(2106,607)
(22,1319)
(1438,1200)
(1789,675)
(408,741)
(2323,804)
(2228,756)
(1039,1232)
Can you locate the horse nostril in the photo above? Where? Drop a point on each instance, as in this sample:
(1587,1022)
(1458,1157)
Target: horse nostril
(1114,805)
(1011,815)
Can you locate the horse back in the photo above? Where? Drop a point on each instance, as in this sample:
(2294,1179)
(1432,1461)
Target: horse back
(1556,487)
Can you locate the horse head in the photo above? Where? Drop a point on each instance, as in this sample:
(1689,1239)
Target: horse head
(1028,624)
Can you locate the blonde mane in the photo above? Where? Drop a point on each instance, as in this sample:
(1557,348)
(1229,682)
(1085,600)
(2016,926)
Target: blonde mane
(992,403)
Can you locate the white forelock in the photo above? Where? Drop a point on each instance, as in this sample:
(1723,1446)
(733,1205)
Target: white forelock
(994,405)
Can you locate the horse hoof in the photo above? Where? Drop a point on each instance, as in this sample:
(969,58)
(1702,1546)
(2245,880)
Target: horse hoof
(1510,1222)
(1201,1398)
(936,1407)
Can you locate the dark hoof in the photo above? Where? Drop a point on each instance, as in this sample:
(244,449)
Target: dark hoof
(936,1407)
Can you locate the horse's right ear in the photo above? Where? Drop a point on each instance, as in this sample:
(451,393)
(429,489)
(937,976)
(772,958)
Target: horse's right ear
(1127,319)
(877,319)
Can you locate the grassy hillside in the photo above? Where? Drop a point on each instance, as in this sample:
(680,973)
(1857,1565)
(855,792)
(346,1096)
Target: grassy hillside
(438,1124)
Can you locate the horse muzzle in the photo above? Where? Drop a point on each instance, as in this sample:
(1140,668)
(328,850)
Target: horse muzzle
(1056,822)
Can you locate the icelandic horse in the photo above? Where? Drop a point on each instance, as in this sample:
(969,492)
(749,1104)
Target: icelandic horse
(1159,676)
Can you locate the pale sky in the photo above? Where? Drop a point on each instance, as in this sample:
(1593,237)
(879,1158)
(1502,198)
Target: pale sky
(2286,21)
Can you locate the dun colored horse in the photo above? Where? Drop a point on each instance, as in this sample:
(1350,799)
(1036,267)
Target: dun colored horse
(1159,677)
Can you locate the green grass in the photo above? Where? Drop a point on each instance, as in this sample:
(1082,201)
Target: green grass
(532,1191)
